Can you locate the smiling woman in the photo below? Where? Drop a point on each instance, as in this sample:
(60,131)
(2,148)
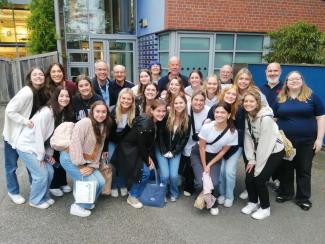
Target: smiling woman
(84,98)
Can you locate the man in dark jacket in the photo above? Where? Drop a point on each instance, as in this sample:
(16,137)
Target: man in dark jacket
(101,80)
(174,66)
(118,83)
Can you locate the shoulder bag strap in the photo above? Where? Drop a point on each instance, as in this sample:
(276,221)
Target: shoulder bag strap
(219,136)
(192,121)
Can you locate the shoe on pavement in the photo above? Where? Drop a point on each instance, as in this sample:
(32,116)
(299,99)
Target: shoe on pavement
(261,213)
(79,211)
(214,211)
(244,195)
(50,201)
(114,192)
(16,198)
(250,208)
(187,194)
(173,199)
(228,203)
(66,188)
(56,192)
(221,200)
(134,202)
(43,205)
(124,191)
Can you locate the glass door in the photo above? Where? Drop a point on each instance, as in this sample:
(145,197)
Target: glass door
(115,52)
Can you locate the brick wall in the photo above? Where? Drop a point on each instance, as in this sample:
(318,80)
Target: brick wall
(242,15)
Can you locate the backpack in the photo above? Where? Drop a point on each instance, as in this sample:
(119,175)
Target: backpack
(61,137)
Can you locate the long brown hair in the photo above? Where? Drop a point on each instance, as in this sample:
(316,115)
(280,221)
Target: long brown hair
(48,78)
(227,107)
(183,119)
(141,86)
(101,130)
(257,96)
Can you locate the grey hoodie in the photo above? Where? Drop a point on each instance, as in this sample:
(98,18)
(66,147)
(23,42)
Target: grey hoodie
(266,133)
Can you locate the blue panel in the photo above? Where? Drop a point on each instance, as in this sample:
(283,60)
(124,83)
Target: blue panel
(153,11)
(313,75)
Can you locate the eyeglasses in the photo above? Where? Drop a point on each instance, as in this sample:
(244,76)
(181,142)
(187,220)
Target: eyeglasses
(295,79)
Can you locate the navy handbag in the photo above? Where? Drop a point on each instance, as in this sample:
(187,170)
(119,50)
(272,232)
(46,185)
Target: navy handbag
(154,194)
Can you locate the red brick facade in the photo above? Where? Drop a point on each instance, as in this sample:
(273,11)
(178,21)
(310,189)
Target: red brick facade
(242,15)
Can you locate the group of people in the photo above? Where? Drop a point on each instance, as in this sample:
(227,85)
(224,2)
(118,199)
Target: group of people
(187,127)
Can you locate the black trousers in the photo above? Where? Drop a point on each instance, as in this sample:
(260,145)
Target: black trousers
(256,186)
(302,163)
(60,176)
(187,173)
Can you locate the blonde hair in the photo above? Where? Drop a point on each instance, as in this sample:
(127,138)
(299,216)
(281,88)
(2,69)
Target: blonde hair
(217,93)
(235,105)
(304,94)
(183,119)
(257,95)
(131,110)
(240,73)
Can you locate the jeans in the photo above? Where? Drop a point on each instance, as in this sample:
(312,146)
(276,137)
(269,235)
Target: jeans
(198,171)
(42,176)
(169,171)
(228,175)
(137,188)
(75,174)
(11,157)
(256,186)
(117,181)
(188,174)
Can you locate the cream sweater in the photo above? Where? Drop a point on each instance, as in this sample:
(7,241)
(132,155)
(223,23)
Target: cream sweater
(83,140)
(31,140)
(17,114)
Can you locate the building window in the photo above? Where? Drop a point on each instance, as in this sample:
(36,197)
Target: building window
(75,71)
(164,53)
(194,53)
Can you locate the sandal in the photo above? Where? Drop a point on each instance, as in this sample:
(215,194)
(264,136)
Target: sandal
(305,205)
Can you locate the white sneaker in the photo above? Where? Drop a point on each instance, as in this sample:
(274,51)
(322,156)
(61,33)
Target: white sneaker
(114,192)
(187,194)
(173,199)
(56,192)
(228,203)
(79,211)
(261,213)
(124,191)
(221,200)
(134,202)
(250,208)
(16,198)
(244,195)
(214,211)
(43,205)
(50,201)
(66,188)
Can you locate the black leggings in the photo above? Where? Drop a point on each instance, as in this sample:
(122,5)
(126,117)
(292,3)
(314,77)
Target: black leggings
(256,186)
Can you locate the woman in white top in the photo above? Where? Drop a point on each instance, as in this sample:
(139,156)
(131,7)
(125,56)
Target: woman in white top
(216,138)
(144,79)
(17,116)
(196,79)
(36,153)
(212,88)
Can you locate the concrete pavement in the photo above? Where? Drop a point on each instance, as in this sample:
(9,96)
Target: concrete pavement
(114,221)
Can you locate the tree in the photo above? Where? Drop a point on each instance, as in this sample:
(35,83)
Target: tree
(297,43)
(41,25)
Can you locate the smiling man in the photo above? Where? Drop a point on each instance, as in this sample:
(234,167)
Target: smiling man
(273,85)
(101,80)
(174,67)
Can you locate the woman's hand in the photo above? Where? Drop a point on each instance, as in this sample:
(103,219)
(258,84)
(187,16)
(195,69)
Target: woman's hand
(30,124)
(249,167)
(168,155)
(51,160)
(207,169)
(317,145)
(151,164)
(85,171)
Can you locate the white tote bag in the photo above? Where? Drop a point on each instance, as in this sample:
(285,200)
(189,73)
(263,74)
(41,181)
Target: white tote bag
(85,191)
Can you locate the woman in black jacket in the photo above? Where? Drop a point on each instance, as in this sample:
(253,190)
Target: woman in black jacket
(132,157)
(172,138)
